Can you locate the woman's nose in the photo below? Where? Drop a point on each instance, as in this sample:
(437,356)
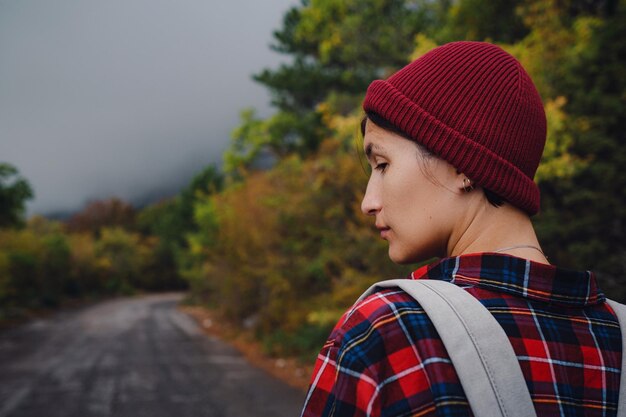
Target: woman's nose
(371,201)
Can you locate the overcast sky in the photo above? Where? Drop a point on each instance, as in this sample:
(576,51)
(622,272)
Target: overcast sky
(126,97)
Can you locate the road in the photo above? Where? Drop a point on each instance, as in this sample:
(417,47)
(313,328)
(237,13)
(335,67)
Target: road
(135,356)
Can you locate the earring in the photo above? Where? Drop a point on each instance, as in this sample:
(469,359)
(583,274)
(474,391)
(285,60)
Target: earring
(467,185)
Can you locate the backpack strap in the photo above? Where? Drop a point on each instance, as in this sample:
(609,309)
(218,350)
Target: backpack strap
(478,347)
(620,312)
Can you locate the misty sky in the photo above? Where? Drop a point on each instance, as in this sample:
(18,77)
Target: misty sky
(126,98)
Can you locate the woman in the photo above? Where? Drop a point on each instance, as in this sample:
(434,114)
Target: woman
(454,140)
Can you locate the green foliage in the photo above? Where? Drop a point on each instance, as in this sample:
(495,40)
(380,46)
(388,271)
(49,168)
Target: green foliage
(248,140)
(123,257)
(87,272)
(338,47)
(269,245)
(495,20)
(208,181)
(303,343)
(163,225)
(163,219)
(172,222)
(172,219)
(98,250)
(584,219)
(14,192)
(283,134)
(42,264)
(33,265)
(286,250)
(557,162)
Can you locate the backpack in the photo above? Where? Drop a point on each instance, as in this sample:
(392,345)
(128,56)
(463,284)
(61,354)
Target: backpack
(480,350)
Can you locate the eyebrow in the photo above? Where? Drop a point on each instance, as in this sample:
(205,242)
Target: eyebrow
(371,147)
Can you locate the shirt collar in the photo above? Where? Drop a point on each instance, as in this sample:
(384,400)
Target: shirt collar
(517,276)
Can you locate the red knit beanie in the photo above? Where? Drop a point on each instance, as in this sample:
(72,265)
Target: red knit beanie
(472,104)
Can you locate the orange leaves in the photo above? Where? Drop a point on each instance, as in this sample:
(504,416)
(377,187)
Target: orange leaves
(291,244)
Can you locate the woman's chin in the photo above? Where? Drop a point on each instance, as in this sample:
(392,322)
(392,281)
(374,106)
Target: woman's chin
(401,257)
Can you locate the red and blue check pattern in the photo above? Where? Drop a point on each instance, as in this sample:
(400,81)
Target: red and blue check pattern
(385,358)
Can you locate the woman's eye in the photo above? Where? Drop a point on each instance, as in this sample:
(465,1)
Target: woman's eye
(382,166)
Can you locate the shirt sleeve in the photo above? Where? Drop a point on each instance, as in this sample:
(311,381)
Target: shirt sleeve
(341,386)
(372,365)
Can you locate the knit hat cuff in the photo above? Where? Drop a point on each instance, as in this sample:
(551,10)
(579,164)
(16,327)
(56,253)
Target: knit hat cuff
(477,162)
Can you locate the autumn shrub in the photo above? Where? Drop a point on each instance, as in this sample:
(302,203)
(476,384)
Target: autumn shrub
(87,270)
(97,265)
(6,288)
(33,265)
(290,249)
(122,257)
(99,214)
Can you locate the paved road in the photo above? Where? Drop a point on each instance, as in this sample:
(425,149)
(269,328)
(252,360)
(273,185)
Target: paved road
(131,357)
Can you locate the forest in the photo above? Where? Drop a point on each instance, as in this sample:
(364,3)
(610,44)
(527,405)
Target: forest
(273,240)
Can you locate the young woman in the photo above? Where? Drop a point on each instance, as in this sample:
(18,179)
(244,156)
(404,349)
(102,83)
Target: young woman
(454,140)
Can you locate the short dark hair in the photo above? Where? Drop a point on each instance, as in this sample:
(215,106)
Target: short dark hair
(382,123)
(493,198)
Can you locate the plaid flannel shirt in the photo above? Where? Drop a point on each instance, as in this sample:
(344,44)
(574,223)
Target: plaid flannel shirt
(385,358)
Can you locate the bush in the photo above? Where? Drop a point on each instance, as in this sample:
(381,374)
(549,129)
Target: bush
(33,265)
(291,240)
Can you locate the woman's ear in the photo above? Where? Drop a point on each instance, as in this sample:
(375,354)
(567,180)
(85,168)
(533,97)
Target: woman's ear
(468,185)
(465,183)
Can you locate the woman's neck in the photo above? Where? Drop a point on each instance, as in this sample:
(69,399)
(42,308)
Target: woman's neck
(505,229)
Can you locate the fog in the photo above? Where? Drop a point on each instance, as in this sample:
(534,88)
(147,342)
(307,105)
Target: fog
(126,98)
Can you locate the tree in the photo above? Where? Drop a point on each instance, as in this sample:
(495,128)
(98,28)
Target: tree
(124,258)
(496,20)
(172,221)
(584,217)
(338,47)
(208,181)
(14,192)
(173,218)
(98,214)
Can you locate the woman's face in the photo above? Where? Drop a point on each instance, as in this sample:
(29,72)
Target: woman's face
(414,198)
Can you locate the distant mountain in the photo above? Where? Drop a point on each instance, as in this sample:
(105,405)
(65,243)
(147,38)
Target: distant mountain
(138,202)
(60,215)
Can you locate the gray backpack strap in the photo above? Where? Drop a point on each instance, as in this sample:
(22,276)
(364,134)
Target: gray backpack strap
(478,347)
(620,312)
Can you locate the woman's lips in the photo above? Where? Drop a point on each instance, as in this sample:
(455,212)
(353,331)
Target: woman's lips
(384,231)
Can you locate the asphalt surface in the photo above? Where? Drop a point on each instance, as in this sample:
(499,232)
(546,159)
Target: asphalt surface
(132,357)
